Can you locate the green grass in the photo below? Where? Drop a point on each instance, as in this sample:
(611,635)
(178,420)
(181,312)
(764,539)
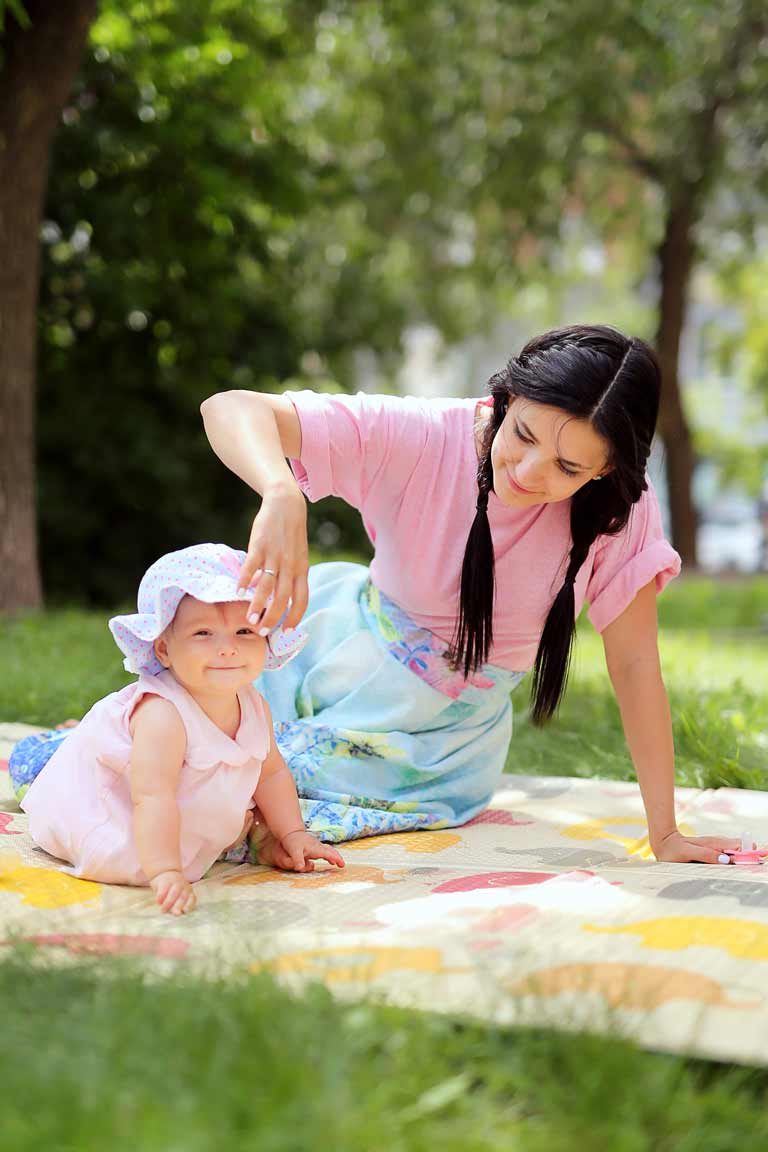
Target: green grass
(97,1057)
(715,656)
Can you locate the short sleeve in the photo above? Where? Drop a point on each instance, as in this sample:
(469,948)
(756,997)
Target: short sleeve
(351,445)
(625,563)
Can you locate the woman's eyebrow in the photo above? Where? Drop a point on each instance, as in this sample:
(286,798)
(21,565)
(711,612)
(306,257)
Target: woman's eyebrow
(568,463)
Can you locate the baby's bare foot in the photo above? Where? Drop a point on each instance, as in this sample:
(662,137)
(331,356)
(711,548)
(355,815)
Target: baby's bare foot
(244,831)
(264,846)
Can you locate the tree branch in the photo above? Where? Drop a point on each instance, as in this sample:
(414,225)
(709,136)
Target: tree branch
(633,153)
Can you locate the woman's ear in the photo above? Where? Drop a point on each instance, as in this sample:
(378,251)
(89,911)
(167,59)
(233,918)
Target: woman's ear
(161,651)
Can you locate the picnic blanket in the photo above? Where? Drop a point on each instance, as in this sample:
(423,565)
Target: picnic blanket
(546,910)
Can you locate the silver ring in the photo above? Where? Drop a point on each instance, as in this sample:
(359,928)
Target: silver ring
(268,572)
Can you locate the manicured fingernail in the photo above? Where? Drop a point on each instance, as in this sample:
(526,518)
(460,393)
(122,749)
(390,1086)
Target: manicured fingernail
(254,618)
(287,631)
(263,631)
(723,858)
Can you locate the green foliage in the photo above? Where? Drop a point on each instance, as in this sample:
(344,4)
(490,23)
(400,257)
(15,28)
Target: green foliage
(712,644)
(495,133)
(244,193)
(16,9)
(171,270)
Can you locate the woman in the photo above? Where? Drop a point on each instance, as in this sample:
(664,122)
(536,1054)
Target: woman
(492,522)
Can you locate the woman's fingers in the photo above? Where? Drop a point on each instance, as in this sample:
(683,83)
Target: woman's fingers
(274,572)
(697,849)
(275,596)
(278,605)
(722,843)
(299,598)
(701,854)
(264,584)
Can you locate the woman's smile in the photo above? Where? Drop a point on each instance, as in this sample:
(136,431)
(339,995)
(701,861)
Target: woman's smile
(519,487)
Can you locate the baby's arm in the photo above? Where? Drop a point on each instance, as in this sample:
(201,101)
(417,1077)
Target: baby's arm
(159,746)
(277,800)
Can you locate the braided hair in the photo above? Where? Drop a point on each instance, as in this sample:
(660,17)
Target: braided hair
(593,373)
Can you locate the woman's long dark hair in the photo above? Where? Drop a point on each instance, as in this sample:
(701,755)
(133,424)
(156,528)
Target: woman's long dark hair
(593,373)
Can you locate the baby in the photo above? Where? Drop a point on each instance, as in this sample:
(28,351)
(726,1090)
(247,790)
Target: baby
(161,778)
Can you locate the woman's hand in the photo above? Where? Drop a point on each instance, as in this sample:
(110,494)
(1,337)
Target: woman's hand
(278,558)
(678,849)
(296,851)
(174,892)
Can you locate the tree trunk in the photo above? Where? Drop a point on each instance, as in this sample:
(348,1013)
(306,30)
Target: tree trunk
(38,66)
(676,253)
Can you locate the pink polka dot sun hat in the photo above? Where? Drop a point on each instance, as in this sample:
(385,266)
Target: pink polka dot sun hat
(209,572)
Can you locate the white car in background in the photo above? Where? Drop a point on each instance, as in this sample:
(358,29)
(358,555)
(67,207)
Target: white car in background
(730,535)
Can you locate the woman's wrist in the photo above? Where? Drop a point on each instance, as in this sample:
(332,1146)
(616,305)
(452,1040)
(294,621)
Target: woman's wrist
(657,837)
(282,487)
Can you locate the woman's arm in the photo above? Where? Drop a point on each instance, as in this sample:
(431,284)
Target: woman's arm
(634,666)
(253,433)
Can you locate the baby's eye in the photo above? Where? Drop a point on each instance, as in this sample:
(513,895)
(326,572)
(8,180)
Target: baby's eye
(246,632)
(202,632)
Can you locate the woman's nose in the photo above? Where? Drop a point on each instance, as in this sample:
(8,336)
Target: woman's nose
(530,468)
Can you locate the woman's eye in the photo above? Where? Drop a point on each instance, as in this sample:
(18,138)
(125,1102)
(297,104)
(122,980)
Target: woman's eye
(568,471)
(519,434)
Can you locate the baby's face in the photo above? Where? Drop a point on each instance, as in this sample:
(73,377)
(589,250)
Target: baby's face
(211,648)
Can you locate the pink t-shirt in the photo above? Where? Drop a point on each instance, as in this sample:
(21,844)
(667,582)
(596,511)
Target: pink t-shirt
(80,806)
(410,466)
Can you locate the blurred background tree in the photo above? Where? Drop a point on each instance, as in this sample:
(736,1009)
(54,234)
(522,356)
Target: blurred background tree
(40,48)
(247,195)
(174,265)
(494,124)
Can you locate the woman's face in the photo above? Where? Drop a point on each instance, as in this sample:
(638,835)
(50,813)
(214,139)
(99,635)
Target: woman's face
(541,454)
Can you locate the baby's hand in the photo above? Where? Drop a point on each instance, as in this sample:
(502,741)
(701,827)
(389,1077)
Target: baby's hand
(300,848)
(174,892)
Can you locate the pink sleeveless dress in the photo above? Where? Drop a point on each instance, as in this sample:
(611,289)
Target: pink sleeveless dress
(80,807)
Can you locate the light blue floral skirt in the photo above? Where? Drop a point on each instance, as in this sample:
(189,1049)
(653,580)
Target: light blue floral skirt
(380,734)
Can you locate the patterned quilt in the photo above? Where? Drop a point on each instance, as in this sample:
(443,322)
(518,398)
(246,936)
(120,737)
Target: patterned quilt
(548,909)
